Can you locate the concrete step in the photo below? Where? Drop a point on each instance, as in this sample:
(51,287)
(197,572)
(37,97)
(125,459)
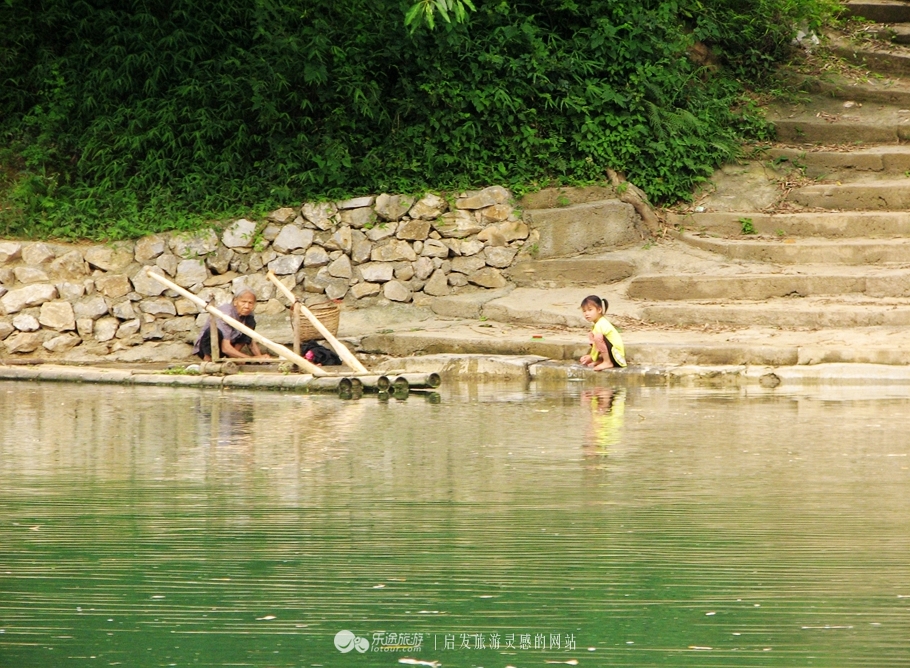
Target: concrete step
(887,159)
(760,346)
(583,228)
(882,58)
(884,195)
(755,287)
(816,130)
(782,250)
(880,11)
(832,225)
(780,313)
(570,271)
(746,333)
(459,341)
(827,121)
(795,356)
(554,307)
(559,198)
(642,348)
(884,90)
(895,34)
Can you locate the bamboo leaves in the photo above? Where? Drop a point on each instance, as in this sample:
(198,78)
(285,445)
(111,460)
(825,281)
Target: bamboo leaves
(125,112)
(424,12)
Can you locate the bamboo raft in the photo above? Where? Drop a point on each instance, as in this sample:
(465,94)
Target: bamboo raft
(346,386)
(314,378)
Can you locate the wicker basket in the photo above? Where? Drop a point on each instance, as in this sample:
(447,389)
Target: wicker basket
(326,312)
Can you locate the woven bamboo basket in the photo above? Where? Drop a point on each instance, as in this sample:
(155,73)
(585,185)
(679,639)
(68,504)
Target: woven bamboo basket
(328,313)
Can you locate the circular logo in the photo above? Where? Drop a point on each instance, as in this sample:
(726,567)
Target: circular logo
(345,641)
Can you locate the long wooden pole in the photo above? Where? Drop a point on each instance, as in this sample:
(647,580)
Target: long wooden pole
(213,339)
(339,347)
(276,348)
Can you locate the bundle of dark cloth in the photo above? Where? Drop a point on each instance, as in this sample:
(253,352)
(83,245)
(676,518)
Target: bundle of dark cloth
(319,354)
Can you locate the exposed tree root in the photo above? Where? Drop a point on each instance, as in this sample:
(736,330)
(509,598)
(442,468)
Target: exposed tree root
(631,194)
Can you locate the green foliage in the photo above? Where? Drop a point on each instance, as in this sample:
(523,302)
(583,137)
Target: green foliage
(747,226)
(424,12)
(180,371)
(122,118)
(753,35)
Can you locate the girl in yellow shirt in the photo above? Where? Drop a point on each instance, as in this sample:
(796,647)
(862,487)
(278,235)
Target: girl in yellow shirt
(607,350)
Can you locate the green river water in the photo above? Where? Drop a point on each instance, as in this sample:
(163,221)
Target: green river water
(503,526)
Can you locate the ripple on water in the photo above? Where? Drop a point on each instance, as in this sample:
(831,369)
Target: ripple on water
(151,526)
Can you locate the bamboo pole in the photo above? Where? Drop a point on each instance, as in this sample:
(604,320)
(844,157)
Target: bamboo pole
(214,343)
(276,348)
(339,347)
(374,382)
(226,368)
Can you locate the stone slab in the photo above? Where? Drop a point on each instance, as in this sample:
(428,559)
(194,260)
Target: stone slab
(891,356)
(20,298)
(461,367)
(880,11)
(467,305)
(558,198)
(890,195)
(883,59)
(888,159)
(784,250)
(838,374)
(541,307)
(569,347)
(746,186)
(112,257)
(755,287)
(793,315)
(154,351)
(405,344)
(826,121)
(569,271)
(583,228)
(831,225)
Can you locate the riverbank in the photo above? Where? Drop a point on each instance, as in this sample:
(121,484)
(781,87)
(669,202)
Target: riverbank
(473,368)
(535,326)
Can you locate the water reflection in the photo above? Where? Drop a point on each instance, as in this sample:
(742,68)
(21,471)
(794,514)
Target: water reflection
(152,526)
(608,409)
(231,423)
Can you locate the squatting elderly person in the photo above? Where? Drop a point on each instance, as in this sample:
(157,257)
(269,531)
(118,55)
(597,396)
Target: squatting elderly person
(231,341)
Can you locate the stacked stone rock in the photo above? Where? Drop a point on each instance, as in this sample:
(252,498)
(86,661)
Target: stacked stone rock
(361,250)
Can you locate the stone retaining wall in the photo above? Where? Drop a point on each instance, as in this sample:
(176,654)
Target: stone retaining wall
(364,250)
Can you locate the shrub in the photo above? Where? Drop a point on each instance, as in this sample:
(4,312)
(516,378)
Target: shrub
(124,117)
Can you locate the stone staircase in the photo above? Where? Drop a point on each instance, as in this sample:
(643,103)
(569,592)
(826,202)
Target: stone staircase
(799,256)
(830,248)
